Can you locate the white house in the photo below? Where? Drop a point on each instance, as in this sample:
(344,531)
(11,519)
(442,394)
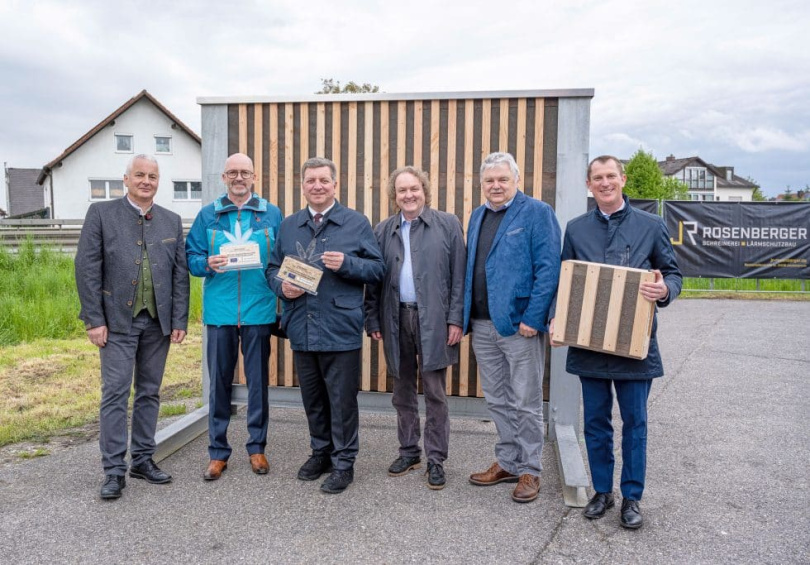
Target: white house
(708,182)
(92,169)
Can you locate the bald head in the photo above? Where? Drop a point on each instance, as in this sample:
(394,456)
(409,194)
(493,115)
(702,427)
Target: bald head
(238,178)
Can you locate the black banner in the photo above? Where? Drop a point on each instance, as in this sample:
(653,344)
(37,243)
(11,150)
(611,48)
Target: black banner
(758,240)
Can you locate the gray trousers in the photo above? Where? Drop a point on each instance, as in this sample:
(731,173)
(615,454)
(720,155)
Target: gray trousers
(142,353)
(405,399)
(511,377)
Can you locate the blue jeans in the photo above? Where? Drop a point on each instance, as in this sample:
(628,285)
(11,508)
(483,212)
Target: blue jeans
(223,352)
(597,402)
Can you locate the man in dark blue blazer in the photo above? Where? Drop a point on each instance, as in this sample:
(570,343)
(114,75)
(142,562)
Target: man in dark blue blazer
(325,330)
(618,234)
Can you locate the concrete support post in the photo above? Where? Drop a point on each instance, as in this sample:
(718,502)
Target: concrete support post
(571,201)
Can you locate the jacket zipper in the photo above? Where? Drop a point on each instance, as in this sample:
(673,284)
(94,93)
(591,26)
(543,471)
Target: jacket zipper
(239,283)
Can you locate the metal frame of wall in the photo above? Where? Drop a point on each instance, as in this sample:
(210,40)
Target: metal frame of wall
(445,134)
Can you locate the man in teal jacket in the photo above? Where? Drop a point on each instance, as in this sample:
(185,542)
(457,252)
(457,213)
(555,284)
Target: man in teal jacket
(238,305)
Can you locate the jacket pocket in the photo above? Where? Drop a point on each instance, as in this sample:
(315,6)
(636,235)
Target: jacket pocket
(349,302)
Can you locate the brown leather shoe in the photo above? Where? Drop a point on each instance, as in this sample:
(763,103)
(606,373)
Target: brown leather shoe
(259,464)
(527,489)
(214,470)
(492,476)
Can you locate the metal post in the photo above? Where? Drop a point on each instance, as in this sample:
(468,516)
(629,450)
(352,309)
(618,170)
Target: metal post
(563,414)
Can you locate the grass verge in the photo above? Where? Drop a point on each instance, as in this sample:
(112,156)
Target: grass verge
(49,385)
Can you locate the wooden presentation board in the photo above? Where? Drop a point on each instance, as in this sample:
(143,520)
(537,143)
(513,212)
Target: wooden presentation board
(599,307)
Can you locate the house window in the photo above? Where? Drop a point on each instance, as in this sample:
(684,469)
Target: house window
(102,189)
(163,144)
(698,178)
(123,143)
(187,190)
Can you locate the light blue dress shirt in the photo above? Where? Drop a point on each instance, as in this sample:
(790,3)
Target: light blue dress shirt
(407,290)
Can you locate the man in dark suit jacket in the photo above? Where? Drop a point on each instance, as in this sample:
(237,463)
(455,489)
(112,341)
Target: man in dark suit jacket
(325,329)
(133,286)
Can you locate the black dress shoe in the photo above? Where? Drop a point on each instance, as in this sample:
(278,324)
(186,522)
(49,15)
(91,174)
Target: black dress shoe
(598,505)
(315,466)
(111,489)
(338,481)
(403,464)
(149,471)
(631,514)
(435,473)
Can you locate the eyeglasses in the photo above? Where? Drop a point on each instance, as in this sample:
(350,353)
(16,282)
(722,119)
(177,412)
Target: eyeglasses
(243,174)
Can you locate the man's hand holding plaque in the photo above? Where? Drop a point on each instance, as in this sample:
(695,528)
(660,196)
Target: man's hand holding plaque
(239,256)
(301,272)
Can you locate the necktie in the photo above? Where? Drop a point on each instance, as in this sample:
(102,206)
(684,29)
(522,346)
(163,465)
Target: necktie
(318,219)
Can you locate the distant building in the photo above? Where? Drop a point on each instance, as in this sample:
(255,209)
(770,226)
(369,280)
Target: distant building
(708,182)
(23,195)
(92,168)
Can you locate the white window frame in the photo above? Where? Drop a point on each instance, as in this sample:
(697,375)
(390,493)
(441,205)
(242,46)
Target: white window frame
(132,142)
(106,182)
(188,190)
(169,152)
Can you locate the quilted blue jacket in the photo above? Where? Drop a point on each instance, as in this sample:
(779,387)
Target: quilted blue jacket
(332,320)
(630,238)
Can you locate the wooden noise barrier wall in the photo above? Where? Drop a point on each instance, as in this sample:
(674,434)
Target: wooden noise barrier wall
(368,136)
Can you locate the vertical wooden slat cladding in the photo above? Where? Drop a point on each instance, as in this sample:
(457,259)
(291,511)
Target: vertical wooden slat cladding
(243,128)
(233,129)
(367,140)
(258,148)
(549,159)
(417,134)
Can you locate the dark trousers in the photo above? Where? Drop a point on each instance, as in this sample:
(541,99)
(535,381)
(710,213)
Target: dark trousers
(597,401)
(223,353)
(405,398)
(329,383)
(140,353)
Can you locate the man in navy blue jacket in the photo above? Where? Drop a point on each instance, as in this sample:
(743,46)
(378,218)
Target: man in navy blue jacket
(325,330)
(618,234)
(513,264)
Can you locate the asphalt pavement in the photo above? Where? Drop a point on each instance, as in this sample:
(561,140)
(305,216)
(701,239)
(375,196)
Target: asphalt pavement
(727,479)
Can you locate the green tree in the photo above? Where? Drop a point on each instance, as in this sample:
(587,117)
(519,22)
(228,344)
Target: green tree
(757,195)
(645,180)
(331,86)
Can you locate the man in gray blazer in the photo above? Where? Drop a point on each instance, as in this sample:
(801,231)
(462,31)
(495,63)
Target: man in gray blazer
(133,287)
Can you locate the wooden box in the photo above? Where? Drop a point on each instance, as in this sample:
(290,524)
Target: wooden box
(599,307)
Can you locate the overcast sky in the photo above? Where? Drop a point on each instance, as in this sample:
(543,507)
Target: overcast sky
(726,80)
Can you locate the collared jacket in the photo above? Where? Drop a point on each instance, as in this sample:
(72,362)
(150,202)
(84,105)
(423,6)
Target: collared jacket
(108,265)
(523,265)
(332,320)
(234,298)
(438,260)
(630,238)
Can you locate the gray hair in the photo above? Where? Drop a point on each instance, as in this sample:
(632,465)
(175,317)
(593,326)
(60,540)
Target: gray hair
(317,163)
(134,158)
(498,158)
